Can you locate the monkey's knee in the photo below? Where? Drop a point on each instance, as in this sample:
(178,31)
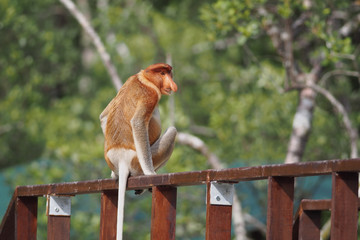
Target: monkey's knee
(163,148)
(170,134)
(171,130)
(167,141)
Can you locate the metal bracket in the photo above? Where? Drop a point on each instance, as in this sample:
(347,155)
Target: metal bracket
(58,206)
(221,193)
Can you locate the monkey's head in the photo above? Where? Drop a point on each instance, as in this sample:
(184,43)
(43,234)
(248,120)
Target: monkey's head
(160,74)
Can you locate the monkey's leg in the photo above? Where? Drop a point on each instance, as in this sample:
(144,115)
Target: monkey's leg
(162,149)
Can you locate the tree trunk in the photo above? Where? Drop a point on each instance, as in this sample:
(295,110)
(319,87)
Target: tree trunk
(302,123)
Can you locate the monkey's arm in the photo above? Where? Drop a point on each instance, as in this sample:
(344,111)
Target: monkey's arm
(139,124)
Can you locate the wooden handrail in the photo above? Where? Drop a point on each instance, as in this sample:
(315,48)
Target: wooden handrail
(195,177)
(316,205)
(280,198)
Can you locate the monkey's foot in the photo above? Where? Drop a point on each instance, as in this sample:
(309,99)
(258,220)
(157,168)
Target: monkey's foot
(141,191)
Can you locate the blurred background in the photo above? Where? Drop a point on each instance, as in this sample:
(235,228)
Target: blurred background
(260,82)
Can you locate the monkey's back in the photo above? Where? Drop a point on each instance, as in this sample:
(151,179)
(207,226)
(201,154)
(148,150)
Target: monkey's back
(118,128)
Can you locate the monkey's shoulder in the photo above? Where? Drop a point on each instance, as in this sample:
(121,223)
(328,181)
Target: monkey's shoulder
(134,91)
(133,86)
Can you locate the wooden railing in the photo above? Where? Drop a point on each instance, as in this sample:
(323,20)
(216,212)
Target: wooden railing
(307,222)
(20,220)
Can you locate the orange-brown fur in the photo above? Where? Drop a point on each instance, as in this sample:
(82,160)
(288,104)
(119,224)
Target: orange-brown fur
(118,128)
(121,110)
(131,125)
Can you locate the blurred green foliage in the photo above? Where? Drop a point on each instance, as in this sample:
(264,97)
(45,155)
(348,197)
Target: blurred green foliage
(50,97)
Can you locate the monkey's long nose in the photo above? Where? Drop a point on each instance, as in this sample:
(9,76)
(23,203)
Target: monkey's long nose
(173,86)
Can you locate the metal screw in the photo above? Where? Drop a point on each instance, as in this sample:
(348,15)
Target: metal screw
(218,198)
(57,209)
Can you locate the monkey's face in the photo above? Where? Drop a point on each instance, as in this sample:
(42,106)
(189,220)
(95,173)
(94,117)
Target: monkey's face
(168,84)
(160,74)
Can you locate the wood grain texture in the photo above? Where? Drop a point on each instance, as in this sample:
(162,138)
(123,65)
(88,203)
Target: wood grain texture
(26,218)
(108,215)
(280,208)
(163,213)
(218,220)
(344,206)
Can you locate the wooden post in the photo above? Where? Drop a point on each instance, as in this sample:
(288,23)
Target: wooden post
(59,212)
(108,215)
(26,218)
(280,208)
(7,226)
(309,225)
(344,206)
(163,213)
(58,228)
(218,218)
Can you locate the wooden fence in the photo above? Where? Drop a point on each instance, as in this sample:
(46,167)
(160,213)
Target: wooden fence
(20,219)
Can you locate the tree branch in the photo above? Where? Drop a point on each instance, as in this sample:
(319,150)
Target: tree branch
(346,120)
(282,42)
(332,73)
(199,145)
(105,57)
(289,61)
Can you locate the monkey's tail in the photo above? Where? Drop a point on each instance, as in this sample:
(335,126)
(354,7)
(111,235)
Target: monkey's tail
(123,176)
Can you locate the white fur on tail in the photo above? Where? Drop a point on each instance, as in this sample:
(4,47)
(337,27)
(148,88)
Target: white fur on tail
(123,176)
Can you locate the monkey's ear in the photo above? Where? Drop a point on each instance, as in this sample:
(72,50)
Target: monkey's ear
(158,67)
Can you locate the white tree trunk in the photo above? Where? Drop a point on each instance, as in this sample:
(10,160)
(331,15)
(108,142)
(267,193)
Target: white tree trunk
(302,123)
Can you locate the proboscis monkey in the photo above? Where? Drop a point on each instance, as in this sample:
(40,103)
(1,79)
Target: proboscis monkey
(131,125)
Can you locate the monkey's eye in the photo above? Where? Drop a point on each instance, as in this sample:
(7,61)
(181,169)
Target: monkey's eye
(162,73)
